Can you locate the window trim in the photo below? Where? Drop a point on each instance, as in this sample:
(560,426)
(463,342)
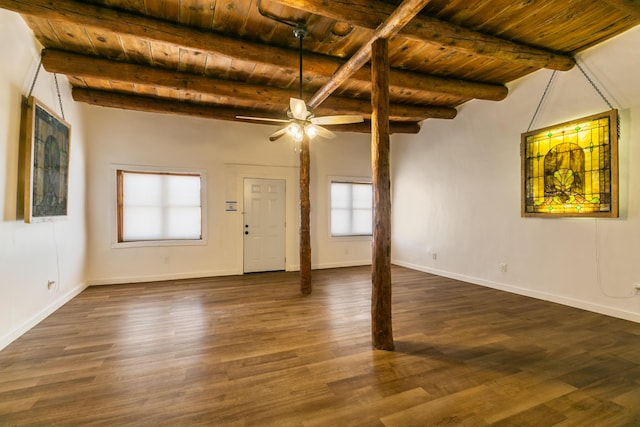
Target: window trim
(119,171)
(347,180)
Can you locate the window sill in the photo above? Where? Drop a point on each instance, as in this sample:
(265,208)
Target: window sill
(157,243)
(351,238)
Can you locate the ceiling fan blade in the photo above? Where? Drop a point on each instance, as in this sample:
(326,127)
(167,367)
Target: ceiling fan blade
(277,134)
(298,109)
(262,119)
(324,133)
(337,120)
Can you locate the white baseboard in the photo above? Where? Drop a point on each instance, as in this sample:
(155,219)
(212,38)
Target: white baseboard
(41,315)
(571,302)
(200,274)
(161,277)
(326,265)
(341,264)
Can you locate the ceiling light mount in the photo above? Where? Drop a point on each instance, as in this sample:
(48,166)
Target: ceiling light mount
(300,31)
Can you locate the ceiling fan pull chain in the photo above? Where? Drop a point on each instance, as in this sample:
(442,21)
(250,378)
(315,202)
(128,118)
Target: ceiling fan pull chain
(544,95)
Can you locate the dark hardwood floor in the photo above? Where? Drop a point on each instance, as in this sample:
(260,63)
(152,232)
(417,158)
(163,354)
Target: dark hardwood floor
(250,350)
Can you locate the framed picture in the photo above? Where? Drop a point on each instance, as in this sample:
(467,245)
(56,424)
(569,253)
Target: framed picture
(47,164)
(571,169)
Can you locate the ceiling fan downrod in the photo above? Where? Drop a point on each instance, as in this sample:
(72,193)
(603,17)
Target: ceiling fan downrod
(301,118)
(300,32)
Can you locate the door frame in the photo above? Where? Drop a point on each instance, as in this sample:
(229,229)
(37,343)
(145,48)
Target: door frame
(234,176)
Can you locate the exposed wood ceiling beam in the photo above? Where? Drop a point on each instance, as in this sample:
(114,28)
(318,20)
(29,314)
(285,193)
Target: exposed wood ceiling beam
(394,23)
(142,103)
(632,7)
(371,13)
(57,61)
(287,59)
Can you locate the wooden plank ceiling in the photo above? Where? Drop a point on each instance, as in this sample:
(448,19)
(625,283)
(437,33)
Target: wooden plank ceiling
(222,58)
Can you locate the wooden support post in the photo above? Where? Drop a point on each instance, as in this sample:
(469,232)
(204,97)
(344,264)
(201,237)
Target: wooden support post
(305,218)
(381,329)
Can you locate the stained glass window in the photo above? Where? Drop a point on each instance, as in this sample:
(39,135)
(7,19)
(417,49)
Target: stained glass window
(571,169)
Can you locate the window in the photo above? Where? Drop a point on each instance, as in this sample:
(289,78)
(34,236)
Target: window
(351,208)
(159,206)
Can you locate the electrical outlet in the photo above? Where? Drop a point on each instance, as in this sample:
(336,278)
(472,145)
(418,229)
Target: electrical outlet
(503,267)
(51,284)
(434,256)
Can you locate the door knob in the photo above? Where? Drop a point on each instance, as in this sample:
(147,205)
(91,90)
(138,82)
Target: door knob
(246,232)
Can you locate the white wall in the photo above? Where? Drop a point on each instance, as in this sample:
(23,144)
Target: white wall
(456,193)
(33,254)
(226,152)
(335,159)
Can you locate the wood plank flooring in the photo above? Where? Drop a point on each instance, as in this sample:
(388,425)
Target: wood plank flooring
(251,351)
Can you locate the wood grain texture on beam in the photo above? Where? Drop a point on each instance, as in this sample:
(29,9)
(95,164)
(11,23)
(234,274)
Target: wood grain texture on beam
(398,112)
(632,7)
(365,127)
(57,61)
(163,106)
(157,105)
(370,13)
(381,319)
(394,23)
(286,59)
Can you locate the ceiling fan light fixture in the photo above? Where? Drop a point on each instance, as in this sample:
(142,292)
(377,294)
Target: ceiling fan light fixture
(302,118)
(298,109)
(311,130)
(295,131)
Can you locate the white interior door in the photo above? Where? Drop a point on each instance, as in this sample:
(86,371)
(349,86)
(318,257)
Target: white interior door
(264,225)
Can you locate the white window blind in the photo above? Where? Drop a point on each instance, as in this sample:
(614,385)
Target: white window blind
(159,206)
(351,209)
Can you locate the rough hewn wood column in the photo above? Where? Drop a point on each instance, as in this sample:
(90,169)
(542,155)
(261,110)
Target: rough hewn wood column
(381,329)
(305,218)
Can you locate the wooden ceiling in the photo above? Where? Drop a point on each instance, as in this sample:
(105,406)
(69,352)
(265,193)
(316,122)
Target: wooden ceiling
(222,58)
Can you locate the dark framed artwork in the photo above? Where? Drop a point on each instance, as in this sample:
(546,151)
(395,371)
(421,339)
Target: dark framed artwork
(571,169)
(47,164)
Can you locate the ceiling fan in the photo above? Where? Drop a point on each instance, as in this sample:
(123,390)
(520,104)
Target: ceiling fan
(301,118)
